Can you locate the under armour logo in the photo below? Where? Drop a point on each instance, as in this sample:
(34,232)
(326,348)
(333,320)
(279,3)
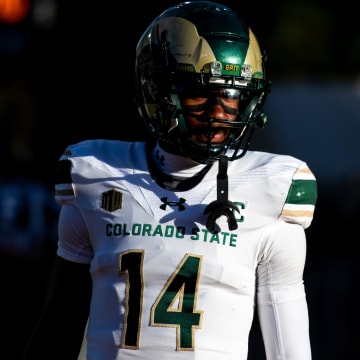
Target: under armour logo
(179,203)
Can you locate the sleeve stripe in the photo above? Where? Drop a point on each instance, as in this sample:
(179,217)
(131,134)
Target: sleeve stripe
(302,192)
(64,193)
(297,213)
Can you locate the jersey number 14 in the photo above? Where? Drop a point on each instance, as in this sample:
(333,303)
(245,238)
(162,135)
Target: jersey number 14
(174,307)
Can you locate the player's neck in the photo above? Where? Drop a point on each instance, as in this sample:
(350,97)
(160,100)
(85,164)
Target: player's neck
(174,172)
(178,167)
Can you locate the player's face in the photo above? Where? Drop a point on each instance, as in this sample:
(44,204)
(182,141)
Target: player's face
(216,105)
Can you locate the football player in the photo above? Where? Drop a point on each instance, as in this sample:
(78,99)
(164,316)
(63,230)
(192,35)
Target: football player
(168,246)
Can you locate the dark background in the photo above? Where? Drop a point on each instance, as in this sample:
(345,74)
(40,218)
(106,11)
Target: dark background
(66,75)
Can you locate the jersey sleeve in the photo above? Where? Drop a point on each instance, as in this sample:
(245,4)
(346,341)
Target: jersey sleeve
(73,244)
(301,198)
(281,300)
(64,187)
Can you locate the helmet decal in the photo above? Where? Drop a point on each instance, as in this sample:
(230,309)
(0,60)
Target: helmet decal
(193,53)
(254,57)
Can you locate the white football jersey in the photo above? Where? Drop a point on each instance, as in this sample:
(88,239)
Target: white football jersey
(164,286)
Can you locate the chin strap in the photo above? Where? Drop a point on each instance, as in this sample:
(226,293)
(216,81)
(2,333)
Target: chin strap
(221,206)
